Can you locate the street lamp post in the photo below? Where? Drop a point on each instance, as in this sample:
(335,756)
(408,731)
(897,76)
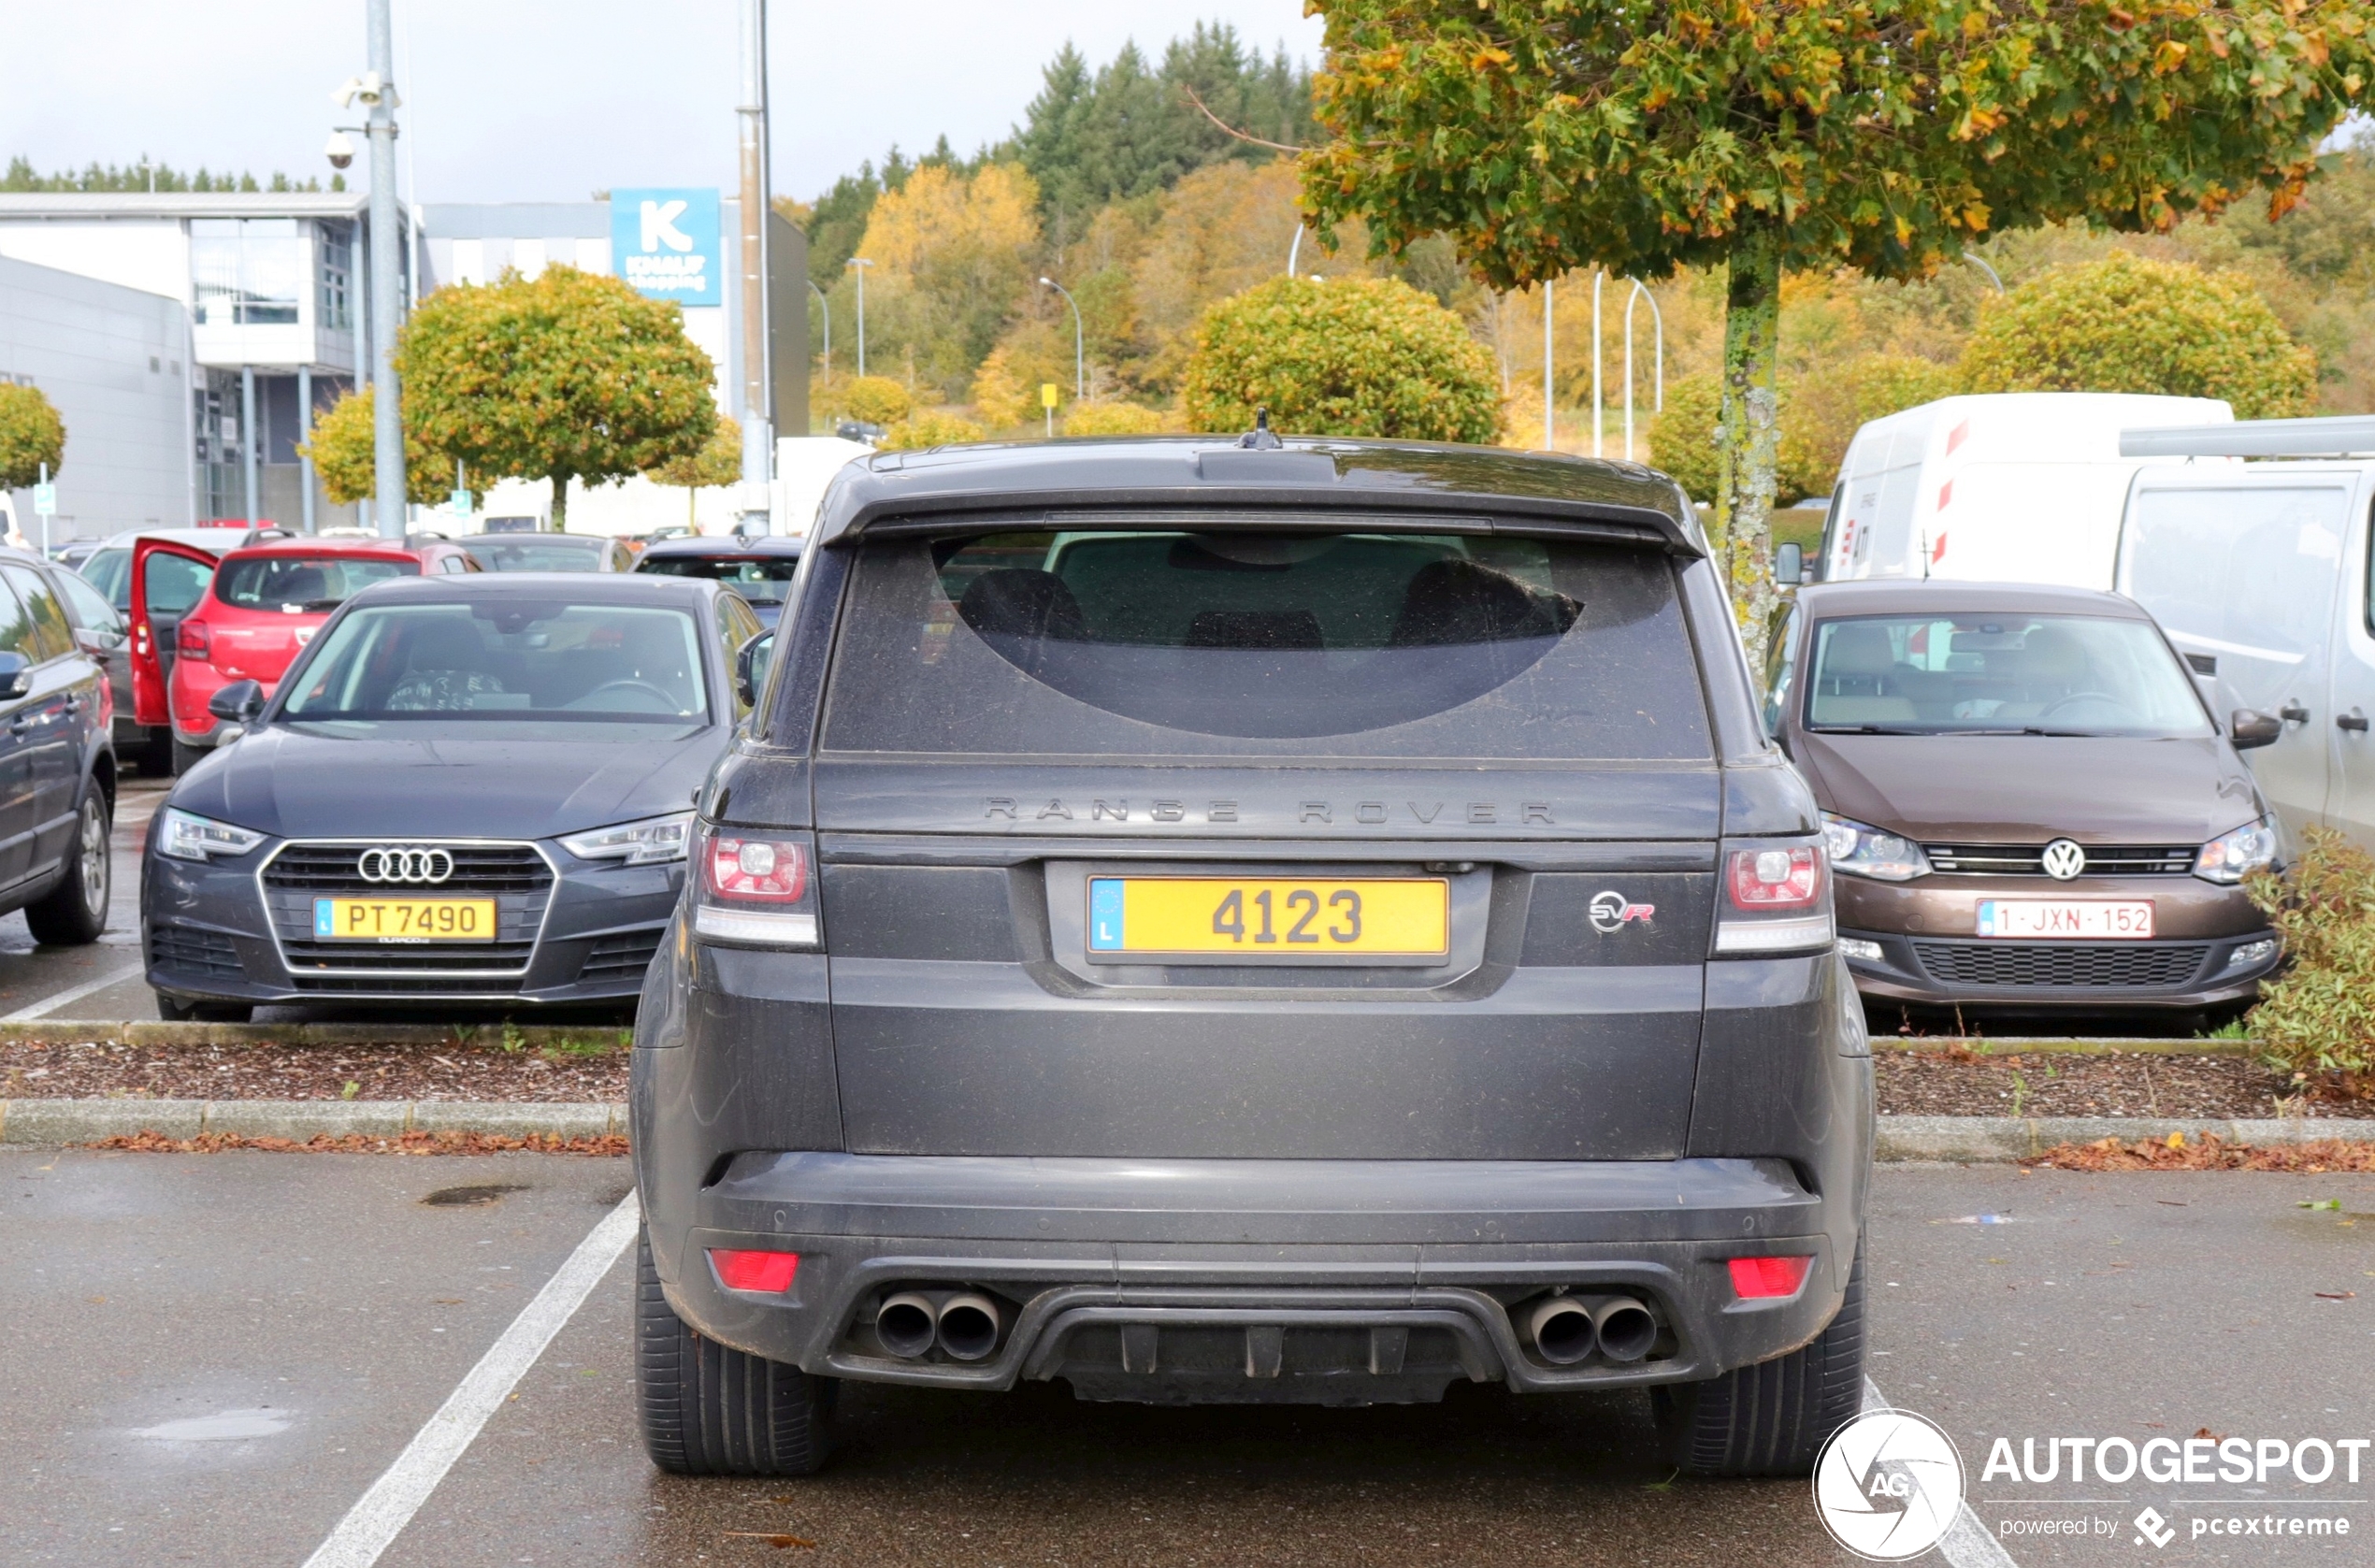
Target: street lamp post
(378,93)
(861,264)
(1080,339)
(825,309)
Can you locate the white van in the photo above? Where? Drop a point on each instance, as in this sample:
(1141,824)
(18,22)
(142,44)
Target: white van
(2002,487)
(2258,571)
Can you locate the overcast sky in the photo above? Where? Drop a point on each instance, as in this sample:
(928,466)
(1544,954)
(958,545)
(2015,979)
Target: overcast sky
(527,100)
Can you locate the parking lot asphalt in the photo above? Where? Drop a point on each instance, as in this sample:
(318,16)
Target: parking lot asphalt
(309,1313)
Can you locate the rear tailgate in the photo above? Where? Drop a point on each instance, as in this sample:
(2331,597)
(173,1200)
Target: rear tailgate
(988,761)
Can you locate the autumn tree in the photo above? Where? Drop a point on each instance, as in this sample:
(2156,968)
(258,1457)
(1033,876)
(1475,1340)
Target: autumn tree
(343,448)
(1356,357)
(718,462)
(568,375)
(31,435)
(952,257)
(2128,323)
(1546,136)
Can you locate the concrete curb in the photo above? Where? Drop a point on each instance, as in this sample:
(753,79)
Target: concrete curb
(1984,1138)
(87,1121)
(2010,1046)
(78,1031)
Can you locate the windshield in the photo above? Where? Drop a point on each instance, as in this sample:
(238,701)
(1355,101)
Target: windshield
(293,583)
(760,579)
(1184,644)
(510,659)
(1999,674)
(532,552)
(110,572)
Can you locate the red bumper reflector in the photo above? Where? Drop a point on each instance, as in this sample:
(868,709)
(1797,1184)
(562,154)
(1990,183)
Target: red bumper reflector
(741,1270)
(1754,1277)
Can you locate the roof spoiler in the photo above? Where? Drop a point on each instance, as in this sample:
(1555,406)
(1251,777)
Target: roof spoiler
(2347,435)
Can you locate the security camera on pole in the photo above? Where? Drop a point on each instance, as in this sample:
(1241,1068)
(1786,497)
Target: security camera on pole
(376,91)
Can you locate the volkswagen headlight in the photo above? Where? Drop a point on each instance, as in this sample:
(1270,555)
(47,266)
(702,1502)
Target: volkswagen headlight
(1860,849)
(188,836)
(2232,857)
(648,842)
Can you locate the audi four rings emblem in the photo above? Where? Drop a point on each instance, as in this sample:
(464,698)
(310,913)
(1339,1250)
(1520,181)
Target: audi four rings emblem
(405,863)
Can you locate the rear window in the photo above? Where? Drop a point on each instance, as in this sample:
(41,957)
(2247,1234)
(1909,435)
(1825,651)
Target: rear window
(760,579)
(1181,644)
(533,554)
(302,582)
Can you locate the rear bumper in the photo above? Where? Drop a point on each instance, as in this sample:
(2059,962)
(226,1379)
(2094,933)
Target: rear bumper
(1344,1281)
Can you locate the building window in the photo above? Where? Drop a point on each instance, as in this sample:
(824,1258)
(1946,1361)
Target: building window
(333,313)
(248,271)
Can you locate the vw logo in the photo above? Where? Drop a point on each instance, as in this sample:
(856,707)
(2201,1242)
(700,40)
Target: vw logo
(404,863)
(2063,859)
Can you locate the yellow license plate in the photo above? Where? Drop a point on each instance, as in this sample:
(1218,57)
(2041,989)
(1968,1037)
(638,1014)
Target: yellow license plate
(404,919)
(1284,918)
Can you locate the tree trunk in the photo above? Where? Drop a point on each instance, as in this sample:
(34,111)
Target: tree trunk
(561,501)
(1747,431)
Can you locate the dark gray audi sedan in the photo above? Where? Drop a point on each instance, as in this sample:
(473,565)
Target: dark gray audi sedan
(1210,920)
(470,789)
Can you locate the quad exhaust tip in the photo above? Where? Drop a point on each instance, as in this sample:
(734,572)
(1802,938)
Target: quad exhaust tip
(1567,1329)
(966,1324)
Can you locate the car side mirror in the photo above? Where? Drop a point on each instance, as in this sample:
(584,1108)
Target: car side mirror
(1788,565)
(241,702)
(750,666)
(16,675)
(97,643)
(2247,728)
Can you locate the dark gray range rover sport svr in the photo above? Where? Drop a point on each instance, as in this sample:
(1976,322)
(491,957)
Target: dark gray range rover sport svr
(1215,920)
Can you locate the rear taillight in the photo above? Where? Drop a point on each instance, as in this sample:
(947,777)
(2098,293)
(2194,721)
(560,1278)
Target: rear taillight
(1763,1279)
(193,640)
(1777,899)
(756,888)
(741,1268)
(1772,880)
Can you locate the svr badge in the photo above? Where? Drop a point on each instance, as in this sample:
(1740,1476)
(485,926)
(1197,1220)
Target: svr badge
(1611,911)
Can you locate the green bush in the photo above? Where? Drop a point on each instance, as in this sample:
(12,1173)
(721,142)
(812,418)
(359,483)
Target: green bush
(1115,419)
(2128,323)
(1366,356)
(872,400)
(1821,411)
(927,428)
(31,434)
(2318,1020)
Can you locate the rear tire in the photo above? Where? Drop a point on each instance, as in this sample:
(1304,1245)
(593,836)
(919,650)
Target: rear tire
(706,1410)
(1773,1418)
(155,756)
(186,757)
(74,913)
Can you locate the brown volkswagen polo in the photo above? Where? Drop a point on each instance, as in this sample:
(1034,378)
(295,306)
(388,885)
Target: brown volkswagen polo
(2028,804)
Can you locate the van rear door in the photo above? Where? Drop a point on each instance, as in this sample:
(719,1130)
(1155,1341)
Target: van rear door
(2242,567)
(1114,825)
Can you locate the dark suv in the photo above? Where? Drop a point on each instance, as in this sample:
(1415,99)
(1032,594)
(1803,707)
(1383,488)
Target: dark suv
(1219,921)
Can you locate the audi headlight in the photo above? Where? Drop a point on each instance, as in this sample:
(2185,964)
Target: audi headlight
(648,842)
(1860,849)
(190,837)
(2232,857)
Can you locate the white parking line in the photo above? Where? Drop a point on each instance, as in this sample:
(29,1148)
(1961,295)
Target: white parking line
(1967,1544)
(48,1005)
(380,1514)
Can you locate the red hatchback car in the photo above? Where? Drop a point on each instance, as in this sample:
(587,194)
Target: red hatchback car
(263,605)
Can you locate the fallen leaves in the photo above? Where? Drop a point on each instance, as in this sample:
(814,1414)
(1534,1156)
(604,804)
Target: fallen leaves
(408,1143)
(2209,1153)
(776,1539)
